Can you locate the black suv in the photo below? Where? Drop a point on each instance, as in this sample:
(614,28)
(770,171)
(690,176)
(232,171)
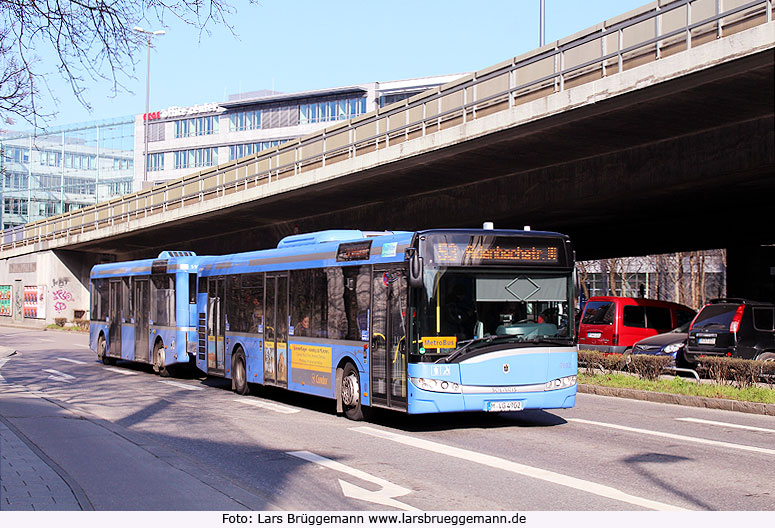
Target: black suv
(733,327)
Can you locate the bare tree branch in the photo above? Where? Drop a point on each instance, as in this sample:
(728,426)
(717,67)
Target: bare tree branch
(92,41)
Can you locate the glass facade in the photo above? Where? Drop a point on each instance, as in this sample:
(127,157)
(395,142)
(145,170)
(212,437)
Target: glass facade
(43,173)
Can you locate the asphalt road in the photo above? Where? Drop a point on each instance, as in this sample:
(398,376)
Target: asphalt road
(135,441)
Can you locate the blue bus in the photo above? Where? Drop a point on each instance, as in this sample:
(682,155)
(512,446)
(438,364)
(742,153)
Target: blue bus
(441,320)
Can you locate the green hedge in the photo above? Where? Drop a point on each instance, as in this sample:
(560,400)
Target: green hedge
(646,366)
(739,372)
(723,370)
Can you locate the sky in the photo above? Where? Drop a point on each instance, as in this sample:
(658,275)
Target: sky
(298,45)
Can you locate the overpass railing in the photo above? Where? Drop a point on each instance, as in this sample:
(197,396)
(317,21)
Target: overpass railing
(647,34)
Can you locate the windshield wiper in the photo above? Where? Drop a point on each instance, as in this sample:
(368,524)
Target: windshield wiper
(480,341)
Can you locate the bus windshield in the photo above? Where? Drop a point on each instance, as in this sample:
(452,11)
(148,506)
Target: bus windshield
(463,304)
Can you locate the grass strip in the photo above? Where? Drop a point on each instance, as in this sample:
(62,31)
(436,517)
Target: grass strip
(677,385)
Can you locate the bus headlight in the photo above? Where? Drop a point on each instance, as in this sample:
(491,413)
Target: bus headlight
(560,383)
(435,385)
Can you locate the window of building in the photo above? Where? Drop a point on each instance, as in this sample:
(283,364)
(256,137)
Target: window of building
(389,99)
(156,162)
(246,149)
(250,120)
(331,110)
(196,126)
(203,157)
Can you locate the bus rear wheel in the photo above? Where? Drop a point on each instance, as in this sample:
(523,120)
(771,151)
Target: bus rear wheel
(102,352)
(351,394)
(239,378)
(158,360)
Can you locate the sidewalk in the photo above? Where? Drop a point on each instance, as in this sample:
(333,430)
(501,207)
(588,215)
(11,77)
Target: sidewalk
(55,456)
(29,481)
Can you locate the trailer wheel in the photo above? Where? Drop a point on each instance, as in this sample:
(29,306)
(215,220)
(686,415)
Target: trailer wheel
(102,351)
(239,378)
(158,360)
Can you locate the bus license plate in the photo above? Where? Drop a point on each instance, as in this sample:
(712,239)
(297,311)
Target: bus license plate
(706,341)
(594,335)
(504,406)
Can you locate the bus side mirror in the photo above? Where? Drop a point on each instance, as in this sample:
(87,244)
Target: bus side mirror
(415,268)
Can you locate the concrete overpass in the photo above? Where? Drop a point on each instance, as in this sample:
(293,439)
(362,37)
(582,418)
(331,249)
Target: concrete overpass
(647,133)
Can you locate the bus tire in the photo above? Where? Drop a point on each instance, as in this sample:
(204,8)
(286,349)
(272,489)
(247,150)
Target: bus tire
(239,377)
(351,394)
(158,360)
(102,351)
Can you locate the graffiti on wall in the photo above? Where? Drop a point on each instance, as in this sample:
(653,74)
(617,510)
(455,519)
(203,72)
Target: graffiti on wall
(61,296)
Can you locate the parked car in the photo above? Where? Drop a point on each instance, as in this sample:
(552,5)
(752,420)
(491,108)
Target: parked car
(670,343)
(733,327)
(615,324)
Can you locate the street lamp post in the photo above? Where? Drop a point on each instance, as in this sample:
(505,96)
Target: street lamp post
(148,35)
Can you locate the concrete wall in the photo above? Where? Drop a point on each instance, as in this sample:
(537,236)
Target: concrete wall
(46,286)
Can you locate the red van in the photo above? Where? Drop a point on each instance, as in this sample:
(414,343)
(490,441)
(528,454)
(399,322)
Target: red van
(614,324)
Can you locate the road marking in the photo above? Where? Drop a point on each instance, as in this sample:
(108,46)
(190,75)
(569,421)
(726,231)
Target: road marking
(181,385)
(724,424)
(267,405)
(383,496)
(59,376)
(72,361)
(705,441)
(82,346)
(521,469)
(121,371)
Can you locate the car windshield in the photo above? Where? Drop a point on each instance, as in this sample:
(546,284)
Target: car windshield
(463,305)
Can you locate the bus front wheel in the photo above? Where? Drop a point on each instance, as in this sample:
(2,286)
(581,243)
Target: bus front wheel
(239,379)
(102,351)
(158,360)
(351,394)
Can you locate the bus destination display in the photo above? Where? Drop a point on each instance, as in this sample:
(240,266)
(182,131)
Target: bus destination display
(501,251)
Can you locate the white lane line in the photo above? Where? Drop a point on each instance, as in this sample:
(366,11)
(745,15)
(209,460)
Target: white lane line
(724,424)
(705,441)
(267,405)
(72,361)
(521,469)
(181,385)
(82,346)
(383,496)
(59,376)
(121,371)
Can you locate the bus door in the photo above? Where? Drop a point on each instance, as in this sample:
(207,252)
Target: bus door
(115,315)
(216,327)
(142,315)
(276,330)
(388,337)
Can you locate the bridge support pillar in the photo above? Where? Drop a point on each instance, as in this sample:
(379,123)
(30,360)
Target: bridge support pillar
(38,288)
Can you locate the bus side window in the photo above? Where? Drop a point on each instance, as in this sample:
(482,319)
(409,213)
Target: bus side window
(192,288)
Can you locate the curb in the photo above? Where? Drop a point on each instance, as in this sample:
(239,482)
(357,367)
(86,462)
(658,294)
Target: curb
(767,409)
